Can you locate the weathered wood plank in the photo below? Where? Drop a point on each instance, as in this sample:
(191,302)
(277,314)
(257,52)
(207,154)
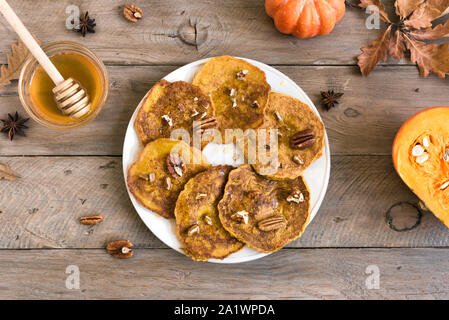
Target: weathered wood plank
(365,122)
(288,274)
(177,32)
(41,209)
(103,136)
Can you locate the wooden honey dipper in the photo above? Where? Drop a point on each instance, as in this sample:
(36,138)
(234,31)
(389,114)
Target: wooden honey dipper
(71,98)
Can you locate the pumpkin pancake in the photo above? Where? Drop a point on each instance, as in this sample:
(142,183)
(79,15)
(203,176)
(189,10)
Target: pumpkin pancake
(159,175)
(264,214)
(238,89)
(197,222)
(300,138)
(170,106)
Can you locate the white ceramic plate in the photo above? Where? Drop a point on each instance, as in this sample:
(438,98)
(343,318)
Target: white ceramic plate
(316,176)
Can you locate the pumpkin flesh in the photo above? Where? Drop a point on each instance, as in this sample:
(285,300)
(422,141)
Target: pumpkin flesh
(421,158)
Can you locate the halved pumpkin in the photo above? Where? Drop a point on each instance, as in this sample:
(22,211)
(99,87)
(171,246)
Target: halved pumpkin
(421,158)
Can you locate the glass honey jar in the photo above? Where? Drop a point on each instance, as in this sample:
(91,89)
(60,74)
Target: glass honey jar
(72,60)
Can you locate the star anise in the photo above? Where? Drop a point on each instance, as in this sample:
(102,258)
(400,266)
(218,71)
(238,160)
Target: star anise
(330,98)
(86,24)
(14,124)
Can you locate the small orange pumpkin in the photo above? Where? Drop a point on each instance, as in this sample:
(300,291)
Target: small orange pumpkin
(305,18)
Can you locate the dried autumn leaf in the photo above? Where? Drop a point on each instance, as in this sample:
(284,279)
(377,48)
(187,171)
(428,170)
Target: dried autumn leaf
(376,52)
(20,54)
(440,31)
(429,57)
(426,12)
(7,173)
(415,25)
(442,60)
(441,5)
(382,12)
(397,45)
(405,7)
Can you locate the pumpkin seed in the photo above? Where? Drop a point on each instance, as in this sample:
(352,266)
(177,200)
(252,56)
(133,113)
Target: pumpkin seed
(426,142)
(423,158)
(417,150)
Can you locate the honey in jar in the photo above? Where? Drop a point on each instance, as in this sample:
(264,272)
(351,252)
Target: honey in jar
(70,65)
(73,60)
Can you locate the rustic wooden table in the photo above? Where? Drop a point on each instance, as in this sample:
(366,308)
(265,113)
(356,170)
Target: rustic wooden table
(65,175)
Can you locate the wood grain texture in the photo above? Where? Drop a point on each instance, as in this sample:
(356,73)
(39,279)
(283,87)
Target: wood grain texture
(366,121)
(42,208)
(288,274)
(69,174)
(180,31)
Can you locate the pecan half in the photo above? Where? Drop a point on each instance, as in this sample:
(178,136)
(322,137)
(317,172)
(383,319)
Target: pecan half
(92,220)
(204,124)
(120,249)
(302,139)
(132,13)
(271,223)
(176,165)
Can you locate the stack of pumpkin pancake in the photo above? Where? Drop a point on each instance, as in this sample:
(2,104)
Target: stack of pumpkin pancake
(220,209)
